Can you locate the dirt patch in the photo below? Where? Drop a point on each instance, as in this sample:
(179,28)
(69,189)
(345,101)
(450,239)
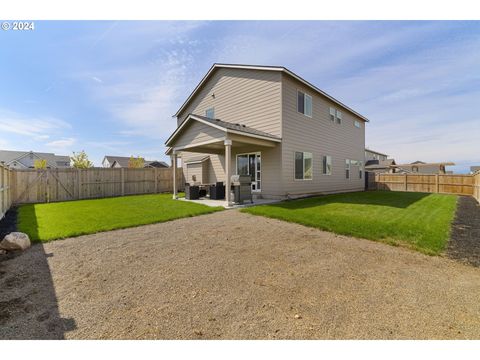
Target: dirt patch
(231,275)
(28,303)
(464,244)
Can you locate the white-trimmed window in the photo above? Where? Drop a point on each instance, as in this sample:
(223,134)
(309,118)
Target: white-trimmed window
(347,168)
(335,115)
(210,113)
(326,165)
(303,165)
(332,114)
(304,103)
(357,124)
(339,117)
(360,169)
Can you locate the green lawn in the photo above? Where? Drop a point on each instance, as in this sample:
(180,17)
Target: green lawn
(417,220)
(44,222)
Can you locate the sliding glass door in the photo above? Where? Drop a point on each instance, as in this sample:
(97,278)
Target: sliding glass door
(251,164)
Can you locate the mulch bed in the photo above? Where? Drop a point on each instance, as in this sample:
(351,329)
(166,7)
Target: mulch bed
(7,225)
(464,244)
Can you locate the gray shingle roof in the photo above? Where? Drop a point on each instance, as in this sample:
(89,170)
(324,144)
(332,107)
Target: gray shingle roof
(197,158)
(123,161)
(237,127)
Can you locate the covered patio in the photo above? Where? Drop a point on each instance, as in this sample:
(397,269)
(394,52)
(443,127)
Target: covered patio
(202,135)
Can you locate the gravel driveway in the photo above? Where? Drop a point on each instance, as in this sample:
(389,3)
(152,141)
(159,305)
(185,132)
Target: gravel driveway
(231,275)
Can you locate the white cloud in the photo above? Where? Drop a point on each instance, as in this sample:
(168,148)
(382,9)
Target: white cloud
(35,127)
(142,94)
(65,143)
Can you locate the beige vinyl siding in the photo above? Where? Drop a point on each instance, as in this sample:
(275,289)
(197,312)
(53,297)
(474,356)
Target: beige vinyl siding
(193,171)
(271,168)
(248,97)
(198,133)
(319,136)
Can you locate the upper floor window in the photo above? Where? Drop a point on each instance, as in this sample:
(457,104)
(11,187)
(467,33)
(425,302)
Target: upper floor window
(339,117)
(332,114)
(210,113)
(303,165)
(357,124)
(304,103)
(335,115)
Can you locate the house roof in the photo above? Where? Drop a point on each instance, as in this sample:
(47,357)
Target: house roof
(379,164)
(123,161)
(9,156)
(156,163)
(375,152)
(266,68)
(421,163)
(197,159)
(228,127)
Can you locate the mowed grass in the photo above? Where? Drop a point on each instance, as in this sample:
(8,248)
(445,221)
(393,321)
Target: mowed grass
(416,220)
(45,222)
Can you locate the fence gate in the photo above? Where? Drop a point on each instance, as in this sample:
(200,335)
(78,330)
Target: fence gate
(39,186)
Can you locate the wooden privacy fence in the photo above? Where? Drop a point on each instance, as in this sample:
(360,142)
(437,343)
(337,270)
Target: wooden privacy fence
(476,186)
(38,186)
(430,183)
(5,189)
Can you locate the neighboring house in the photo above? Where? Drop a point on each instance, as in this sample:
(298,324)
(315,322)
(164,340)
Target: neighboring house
(26,159)
(122,161)
(474,169)
(378,162)
(292,138)
(374,155)
(423,168)
(380,166)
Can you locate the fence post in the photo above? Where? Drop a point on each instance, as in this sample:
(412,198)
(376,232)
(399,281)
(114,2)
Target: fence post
(437,185)
(155,172)
(79,185)
(48,186)
(122,172)
(405,180)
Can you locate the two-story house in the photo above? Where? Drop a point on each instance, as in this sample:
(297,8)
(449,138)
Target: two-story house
(292,138)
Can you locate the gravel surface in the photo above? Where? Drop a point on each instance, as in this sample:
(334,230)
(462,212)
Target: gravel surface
(231,275)
(464,244)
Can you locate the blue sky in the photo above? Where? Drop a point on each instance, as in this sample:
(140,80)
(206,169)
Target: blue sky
(111,87)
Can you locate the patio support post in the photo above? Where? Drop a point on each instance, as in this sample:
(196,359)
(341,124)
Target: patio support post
(228,158)
(174,172)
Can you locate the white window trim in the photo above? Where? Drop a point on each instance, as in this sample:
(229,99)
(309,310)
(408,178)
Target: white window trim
(338,112)
(349,162)
(294,162)
(357,124)
(304,99)
(332,109)
(331,165)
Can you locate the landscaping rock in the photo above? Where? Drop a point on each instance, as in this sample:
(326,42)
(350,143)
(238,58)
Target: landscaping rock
(15,241)
(3,252)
